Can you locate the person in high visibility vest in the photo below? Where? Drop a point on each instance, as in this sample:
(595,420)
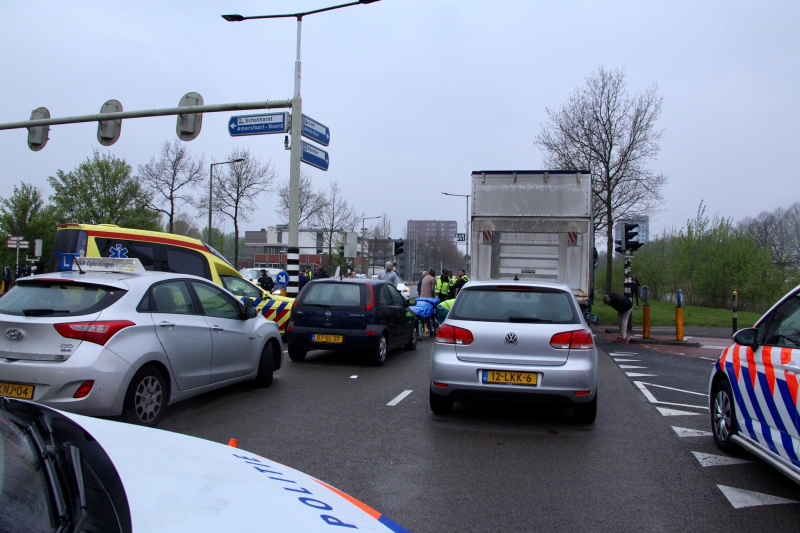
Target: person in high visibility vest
(443,309)
(461,281)
(443,286)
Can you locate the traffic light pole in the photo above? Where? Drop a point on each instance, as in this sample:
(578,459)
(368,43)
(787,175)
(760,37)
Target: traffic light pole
(629,286)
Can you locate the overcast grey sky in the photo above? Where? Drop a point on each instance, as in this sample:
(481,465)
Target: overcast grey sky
(417,93)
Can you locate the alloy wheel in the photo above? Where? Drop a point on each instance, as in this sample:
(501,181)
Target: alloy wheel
(148,399)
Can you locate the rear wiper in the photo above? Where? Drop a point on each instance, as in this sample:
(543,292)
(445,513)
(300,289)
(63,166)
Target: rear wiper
(527,319)
(46,455)
(42,312)
(318,305)
(77,468)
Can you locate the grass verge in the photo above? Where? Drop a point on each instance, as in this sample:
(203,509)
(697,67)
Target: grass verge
(663,314)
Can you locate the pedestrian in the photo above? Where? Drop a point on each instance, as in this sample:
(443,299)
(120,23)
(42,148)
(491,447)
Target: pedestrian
(428,285)
(623,307)
(389,275)
(419,284)
(635,287)
(321,272)
(7,277)
(302,279)
(461,280)
(265,281)
(443,286)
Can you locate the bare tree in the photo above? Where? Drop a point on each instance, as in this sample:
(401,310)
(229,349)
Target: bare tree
(777,233)
(236,191)
(312,201)
(170,179)
(603,129)
(186,224)
(336,216)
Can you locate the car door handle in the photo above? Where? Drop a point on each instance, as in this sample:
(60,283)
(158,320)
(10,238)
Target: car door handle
(166,324)
(217,328)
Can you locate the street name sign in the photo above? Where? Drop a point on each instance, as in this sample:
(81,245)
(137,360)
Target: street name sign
(461,237)
(315,131)
(17,242)
(314,156)
(258,124)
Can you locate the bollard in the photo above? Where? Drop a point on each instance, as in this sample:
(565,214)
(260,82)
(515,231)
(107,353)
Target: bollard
(735,311)
(646,321)
(679,323)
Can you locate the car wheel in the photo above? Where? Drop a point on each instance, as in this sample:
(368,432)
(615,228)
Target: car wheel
(412,344)
(440,405)
(265,366)
(723,415)
(147,397)
(585,413)
(297,353)
(378,356)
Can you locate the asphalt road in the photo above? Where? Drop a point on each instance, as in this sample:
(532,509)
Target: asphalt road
(499,466)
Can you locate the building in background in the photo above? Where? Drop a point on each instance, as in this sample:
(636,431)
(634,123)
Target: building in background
(427,245)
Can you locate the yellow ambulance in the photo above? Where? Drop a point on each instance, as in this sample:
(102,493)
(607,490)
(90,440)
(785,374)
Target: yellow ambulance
(163,252)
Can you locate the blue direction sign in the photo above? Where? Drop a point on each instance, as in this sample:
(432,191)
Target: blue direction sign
(258,124)
(315,131)
(314,156)
(282,278)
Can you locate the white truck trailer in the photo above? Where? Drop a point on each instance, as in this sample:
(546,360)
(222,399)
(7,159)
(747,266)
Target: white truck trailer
(534,224)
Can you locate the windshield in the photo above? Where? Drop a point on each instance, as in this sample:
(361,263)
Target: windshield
(58,298)
(240,287)
(332,294)
(515,304)
(24,496)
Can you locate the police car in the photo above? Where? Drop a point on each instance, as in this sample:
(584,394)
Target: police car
(68,472)
(754,389)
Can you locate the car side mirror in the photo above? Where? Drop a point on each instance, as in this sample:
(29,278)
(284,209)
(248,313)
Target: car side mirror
(747,337)
(591,318)
(248,302)
(250,312)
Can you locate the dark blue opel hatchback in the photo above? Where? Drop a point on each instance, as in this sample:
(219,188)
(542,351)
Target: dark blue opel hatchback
(351,314)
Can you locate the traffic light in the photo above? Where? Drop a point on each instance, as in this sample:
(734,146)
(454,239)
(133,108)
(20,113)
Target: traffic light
(341,250)
(398,247)
(630,234)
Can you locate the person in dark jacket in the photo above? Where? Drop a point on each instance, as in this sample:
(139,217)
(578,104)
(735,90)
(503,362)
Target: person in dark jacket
(302,279)
(623,307)
(8,277)
(321,272)
(636,286)
(265,281)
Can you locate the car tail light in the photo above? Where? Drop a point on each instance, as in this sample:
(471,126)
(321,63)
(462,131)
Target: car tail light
(370,297)
(441,385)
(84,389)
(581,392)
(294,303)
(572,340)
(448,334)
(98,332)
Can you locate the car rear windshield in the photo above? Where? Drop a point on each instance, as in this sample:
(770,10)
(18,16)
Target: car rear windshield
(56,298)
(515,304)
(332,295)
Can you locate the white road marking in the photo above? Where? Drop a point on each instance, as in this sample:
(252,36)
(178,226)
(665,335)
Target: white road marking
(679,353)
(631,366)
(679,390)
(712,347)
(688,432)
(652,399)
(674,412)
(353,377)
(622,353)
(686,338)
(399,398)
(741,498)
(619,360)
(708,359)
(637,375)
(709,459)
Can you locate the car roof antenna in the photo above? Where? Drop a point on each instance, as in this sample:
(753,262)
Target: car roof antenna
(516,278)
(75,260)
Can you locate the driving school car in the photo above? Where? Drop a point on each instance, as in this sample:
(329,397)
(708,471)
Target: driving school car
(98,481)
(165,252)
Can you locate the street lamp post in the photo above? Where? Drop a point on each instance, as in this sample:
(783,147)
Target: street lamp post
(211,190)
(293,251)
(466,224)
(364,238)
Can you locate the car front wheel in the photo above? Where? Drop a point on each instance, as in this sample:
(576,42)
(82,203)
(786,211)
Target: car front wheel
(296,353)
(146,398)
(265,366)
(723,415)
(412,343)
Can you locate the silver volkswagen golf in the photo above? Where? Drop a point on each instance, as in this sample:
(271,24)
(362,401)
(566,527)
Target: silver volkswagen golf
(111,343)
(515,340)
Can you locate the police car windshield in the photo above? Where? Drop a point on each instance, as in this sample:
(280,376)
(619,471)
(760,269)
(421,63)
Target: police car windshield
(219,255)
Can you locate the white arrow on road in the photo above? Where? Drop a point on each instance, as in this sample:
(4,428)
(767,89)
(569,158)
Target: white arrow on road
(741,498)
(688,432)
(709,459)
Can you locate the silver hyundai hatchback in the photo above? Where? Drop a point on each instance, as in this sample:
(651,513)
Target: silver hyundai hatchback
(111,343)
(515,340)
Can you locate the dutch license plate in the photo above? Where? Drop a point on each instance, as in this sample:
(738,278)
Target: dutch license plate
(319,337)
(513,378)
(16,390)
